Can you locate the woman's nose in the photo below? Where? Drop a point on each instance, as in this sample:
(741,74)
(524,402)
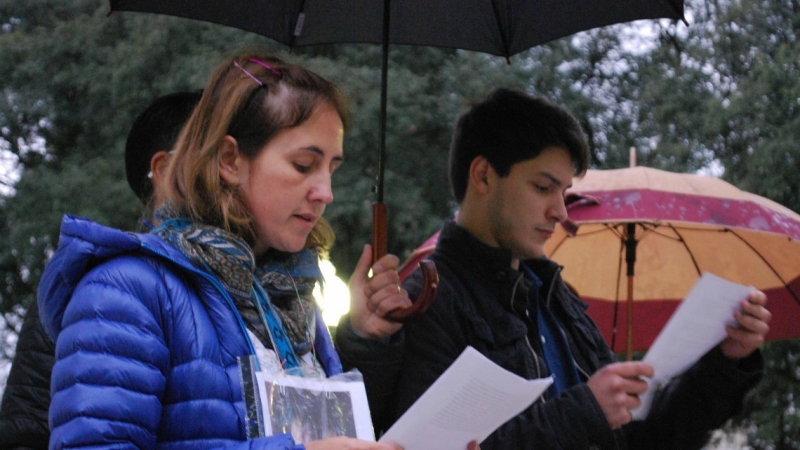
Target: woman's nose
(321,190)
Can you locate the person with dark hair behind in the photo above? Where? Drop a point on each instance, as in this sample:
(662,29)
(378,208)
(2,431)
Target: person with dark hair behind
(26,400)
(150,142)
(512,158)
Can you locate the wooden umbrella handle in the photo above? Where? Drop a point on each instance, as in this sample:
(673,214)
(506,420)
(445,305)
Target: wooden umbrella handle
(430,284)
(430,276)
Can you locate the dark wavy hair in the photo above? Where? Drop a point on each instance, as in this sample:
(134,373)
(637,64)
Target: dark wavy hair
(509,127)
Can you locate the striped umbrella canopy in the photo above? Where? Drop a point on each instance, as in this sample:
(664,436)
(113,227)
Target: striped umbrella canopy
(644,237)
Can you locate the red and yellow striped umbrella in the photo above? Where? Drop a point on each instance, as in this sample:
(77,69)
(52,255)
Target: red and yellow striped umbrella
(644,237)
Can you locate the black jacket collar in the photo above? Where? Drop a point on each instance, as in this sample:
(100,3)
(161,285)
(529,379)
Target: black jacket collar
(492,267)
(494,262)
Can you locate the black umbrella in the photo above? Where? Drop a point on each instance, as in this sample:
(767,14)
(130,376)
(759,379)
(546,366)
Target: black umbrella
(498,27)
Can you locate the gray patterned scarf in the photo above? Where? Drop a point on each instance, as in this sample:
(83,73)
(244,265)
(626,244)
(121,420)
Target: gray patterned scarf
(288,279)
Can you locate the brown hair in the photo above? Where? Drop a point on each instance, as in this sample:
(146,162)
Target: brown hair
(235,104)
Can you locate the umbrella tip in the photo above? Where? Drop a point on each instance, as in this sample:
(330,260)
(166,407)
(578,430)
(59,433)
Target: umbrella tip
(633,157)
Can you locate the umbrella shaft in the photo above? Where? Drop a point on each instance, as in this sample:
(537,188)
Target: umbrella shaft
(629,328)
(380,230)
(630,259)
(384,89)
(630,248)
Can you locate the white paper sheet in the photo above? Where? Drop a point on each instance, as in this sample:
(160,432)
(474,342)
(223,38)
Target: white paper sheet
(470,400)
(694,328)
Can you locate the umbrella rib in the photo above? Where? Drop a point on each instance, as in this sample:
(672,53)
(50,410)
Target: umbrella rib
(666,236)
(503,36)
(677,10)
(607,226)
(745,242)
(683,242)
(741,239)
(772,269)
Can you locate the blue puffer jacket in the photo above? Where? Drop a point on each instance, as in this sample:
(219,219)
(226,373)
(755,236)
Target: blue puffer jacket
(146,346)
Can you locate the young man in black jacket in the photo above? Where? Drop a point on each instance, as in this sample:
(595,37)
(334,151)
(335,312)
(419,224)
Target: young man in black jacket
(512,158)
(26,400)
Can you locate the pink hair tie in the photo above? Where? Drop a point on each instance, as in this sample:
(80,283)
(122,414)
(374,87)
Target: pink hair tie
(260,63)
(266,66)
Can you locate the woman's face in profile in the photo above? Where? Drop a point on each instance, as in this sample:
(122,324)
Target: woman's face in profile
(287,186)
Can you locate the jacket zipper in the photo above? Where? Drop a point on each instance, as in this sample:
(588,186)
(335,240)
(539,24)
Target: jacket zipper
(560,329)
(527,340)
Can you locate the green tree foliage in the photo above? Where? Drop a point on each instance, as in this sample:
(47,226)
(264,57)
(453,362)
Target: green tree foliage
(727,89)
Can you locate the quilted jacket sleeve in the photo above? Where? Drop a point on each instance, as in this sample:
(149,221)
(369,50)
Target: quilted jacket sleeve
(113,361)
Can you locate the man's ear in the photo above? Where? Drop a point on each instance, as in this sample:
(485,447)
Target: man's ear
(158,166)
(231,167)
(479,172)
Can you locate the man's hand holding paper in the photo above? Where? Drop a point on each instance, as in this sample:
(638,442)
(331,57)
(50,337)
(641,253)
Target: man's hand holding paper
(716,311)
(617,388)
(752,327)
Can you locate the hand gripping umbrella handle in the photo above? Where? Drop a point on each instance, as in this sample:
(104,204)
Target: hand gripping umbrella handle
(430,276)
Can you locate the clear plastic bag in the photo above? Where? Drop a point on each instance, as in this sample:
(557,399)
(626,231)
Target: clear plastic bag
(309,409)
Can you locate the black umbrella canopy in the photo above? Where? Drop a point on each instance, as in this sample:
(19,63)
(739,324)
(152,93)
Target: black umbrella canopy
(497,27)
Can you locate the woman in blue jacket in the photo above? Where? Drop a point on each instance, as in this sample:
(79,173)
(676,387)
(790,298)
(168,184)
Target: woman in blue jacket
(148,327)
